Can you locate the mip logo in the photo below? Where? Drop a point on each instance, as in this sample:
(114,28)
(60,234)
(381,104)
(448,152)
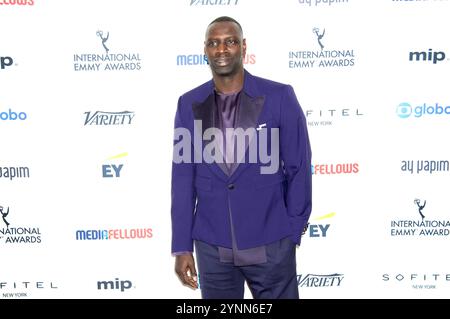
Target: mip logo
(6,61)
(117,284)
(319,36)
(404,110)
(435,57)
(4,214)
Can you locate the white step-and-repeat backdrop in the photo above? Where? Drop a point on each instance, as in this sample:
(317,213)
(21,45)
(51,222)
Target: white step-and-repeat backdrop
(88,92)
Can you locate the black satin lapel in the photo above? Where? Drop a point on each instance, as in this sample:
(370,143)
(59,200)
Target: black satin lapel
(249,111)
(206,112)
(248,115)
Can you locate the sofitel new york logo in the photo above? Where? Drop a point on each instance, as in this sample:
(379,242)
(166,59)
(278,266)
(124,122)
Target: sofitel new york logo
(108,61)
(417,280)
(323,58)
(420,226)
(17,235)
(329,116)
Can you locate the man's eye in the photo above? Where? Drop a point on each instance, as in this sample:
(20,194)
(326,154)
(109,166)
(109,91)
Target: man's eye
(212,43)
(231,42)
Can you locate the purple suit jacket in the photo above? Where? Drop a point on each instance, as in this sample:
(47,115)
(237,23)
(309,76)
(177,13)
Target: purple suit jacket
(264,207)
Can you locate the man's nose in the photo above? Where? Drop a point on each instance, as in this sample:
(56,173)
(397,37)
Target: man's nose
(222,47)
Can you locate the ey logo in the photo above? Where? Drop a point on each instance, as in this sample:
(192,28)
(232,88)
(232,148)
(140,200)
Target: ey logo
(320,230)
(113,170)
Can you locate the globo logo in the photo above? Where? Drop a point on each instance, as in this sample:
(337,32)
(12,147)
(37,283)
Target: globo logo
(12,116)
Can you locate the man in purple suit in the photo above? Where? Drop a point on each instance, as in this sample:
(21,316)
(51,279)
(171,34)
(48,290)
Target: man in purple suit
(241,177)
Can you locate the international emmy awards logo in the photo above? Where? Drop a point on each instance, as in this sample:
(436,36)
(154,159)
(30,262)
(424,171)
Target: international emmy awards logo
(104,39)
(319,36)
(4,215)
(420,207)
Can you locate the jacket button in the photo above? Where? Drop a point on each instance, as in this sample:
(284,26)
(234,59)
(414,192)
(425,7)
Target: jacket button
(230,186)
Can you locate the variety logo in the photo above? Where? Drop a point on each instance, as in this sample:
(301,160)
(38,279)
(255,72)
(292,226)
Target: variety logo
(202,59)
(23,289)
(6,62)
(17,2)
(117,284)
(213,2)
(420,166)
(323,57)
(333,169)
(17,235)
(14,172)
(113,170)
(328,117)
(108,118)
(315,281)
(128,61)
(417,280)
(405,110)
(420,226)
(321,3)
(320,229)
(428,56)
(10,115)
(114,234)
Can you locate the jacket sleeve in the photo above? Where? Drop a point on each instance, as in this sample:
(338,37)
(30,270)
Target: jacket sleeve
(295,152)
(183,195)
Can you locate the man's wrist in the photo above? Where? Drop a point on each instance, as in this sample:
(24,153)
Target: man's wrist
(181,253)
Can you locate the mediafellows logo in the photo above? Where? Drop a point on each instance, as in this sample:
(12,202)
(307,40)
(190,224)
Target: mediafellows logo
(319,281)
(406,110)
(213,2)
(14,172)
(115,61)
(114,234)
(320,228)
(202,59)
(100,118)
(424,166)
(335,169)
(16,2)
(322,3)
(11,234)
(332,115)
(322,57)
(421,225)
